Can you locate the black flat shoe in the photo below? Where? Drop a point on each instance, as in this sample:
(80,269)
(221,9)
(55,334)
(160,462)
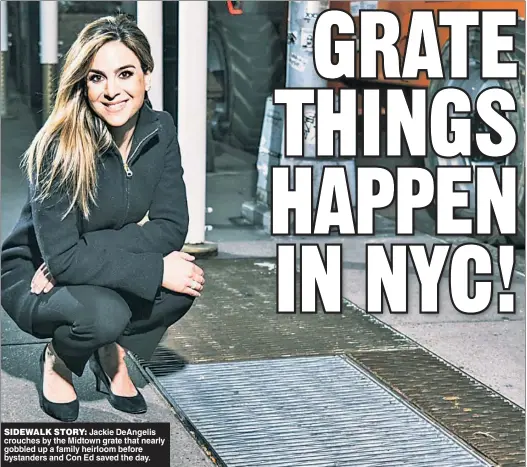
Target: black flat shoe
(133,404)
(63,411)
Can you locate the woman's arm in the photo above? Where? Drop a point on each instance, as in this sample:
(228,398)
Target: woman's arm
(167,227)
(71,260)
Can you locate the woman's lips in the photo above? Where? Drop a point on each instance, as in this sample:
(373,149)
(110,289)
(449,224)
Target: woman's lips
(115,107)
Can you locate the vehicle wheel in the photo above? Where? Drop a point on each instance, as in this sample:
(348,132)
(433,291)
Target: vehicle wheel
(246,61)
(474,85)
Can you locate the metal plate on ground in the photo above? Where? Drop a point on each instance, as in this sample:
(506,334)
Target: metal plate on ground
(236,320)
(312,411)
(473,412)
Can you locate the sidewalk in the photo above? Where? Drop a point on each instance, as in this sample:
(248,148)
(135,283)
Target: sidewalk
(488,346)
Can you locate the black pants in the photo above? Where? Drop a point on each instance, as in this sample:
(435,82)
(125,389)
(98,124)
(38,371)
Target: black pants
(82,318)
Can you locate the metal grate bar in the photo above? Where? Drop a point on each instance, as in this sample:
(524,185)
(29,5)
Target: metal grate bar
(310,411)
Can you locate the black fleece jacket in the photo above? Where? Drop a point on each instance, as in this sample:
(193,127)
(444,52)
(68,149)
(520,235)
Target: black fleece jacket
(110,249)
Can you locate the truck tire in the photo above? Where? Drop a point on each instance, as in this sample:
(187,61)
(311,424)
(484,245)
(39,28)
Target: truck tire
(474,86)
(247,60)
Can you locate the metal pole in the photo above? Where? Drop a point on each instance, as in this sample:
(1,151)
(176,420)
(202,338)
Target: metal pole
(192,116)
(150,21)
(301,73)
(49,52)
(4,46)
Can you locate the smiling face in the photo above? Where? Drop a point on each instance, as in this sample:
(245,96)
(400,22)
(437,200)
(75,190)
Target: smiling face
(116,84)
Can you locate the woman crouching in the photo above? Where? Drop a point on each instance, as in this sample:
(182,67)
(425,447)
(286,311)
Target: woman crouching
(81,266)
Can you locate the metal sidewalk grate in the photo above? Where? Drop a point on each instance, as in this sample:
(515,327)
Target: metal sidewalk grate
(236,320)
(474,413)
(308,411)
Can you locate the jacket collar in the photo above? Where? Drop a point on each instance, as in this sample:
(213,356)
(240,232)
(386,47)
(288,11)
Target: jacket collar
(146,126)
(147,122)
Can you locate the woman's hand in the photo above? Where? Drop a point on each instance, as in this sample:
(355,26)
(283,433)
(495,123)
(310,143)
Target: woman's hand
(181,275)
(42,280)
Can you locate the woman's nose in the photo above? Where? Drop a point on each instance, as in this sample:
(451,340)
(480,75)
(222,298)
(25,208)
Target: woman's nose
(112,88)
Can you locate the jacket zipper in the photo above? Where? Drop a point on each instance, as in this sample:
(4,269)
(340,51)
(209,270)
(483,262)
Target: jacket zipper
(129,173)
(127,164)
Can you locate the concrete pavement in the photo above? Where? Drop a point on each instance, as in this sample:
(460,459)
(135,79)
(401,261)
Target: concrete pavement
(488,346)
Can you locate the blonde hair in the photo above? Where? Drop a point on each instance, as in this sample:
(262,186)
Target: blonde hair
(63,154)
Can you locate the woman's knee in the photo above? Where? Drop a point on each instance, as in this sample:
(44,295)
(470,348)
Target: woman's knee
(104,318)
(175,306)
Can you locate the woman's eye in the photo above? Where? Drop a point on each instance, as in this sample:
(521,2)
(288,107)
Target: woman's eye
(95,78)
(126,74)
